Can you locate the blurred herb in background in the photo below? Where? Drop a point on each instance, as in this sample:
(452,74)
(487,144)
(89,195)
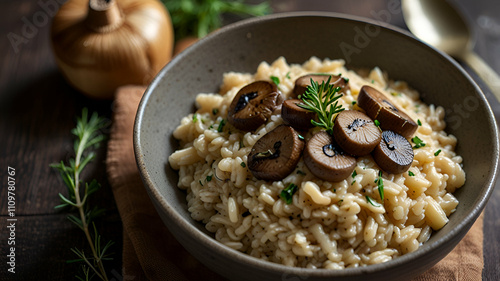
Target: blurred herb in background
(200,17)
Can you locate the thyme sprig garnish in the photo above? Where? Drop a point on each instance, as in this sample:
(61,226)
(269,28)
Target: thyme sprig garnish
(88,132)
(323,100)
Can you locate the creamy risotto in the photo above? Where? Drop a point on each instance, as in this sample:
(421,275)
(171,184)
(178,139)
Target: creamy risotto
(324,224)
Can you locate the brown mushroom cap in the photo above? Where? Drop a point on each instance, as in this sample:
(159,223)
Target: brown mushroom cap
(296,116)
(378,107)
(355,132)
(302,82)
(276,154)
(253,105)
(326,160)
(394,153)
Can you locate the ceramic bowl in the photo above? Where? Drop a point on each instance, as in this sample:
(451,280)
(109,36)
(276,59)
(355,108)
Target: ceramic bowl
(298,36)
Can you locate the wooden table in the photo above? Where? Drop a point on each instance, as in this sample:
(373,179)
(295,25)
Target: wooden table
(38,109)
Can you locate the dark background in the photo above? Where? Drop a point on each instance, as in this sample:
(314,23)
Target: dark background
(38,109)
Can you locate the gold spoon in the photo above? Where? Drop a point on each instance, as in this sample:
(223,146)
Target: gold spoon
(437,23)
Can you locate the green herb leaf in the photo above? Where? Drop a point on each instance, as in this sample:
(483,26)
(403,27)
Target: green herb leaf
(373,202)
(411,174)
(354,174)
(242,164)
(209,178)
(353,103)
(195,118)
(380,185)
(215,111)
(275,80)
(220,128)
(301,172)
(323,100)
(200,17)
(288,75)
(419,122)
(376,122)
(437,152)
(418,142)
(287,193)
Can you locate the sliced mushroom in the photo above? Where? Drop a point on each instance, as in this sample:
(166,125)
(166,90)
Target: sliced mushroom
(394,153)
(326,160)
(253,105)
(302,82)
(355,132)
(276,154)
(378,107)
(296,116)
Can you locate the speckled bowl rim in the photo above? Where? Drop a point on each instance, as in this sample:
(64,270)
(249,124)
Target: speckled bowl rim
(198,235)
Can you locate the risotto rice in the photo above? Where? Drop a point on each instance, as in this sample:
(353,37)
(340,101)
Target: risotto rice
(328,224)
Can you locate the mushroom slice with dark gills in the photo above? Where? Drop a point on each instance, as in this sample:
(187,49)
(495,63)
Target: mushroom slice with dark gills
(253,105)
(378,107)
(355,132)
(326,160)
(302,82)
(276,154)
(296,116)
(394,153)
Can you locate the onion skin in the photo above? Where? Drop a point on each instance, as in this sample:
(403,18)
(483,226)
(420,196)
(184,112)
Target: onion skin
(97,55)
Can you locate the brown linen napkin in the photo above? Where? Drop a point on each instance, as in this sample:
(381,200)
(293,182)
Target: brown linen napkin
(150,252)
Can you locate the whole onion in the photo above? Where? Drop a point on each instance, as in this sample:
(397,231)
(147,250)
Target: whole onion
(100,45)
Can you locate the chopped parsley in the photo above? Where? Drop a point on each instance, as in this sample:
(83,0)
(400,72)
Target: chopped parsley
(242,164)
(195,118)
(353,103)
(372,202)
(215,111)
(376,122)
(287,193)
(346,79)
(411,174)
(275,80)
(241,145)
(301,173)
(288,75)
(354,174)
(380,184)
(209,178)
(418,142)
(373,81)
(394,94)
(437,152)
(419,122)
(221,125)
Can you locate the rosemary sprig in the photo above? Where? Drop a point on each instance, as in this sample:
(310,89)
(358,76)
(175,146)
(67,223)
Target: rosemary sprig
(88,133)
(323,100)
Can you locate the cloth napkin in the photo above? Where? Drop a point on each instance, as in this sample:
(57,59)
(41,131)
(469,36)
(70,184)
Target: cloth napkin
(150,252)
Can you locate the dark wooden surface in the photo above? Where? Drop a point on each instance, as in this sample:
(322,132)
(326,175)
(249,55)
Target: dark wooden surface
(38,109)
